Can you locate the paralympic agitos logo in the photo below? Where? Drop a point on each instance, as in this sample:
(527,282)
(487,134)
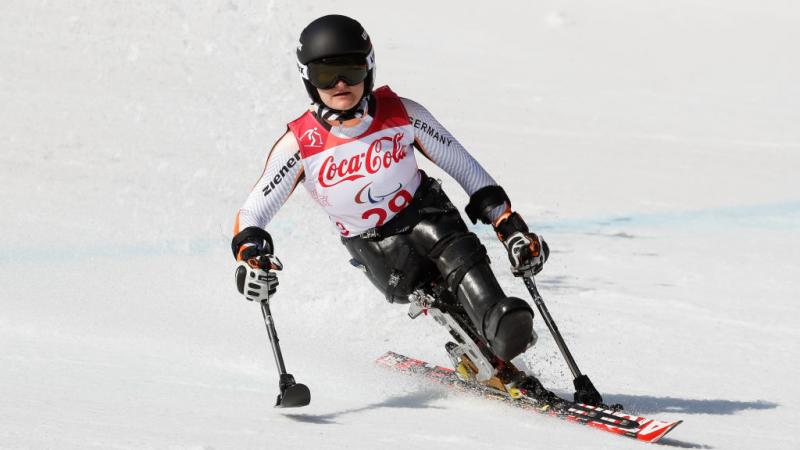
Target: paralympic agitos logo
(373,160)
(376,198)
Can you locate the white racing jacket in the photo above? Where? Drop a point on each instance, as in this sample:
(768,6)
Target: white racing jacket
(361,175)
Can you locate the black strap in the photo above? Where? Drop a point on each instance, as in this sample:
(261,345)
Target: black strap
(429,200)
(483,201)
(255,235)
(456,255)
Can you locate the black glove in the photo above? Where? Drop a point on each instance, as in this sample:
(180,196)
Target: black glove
(255,275)
(527,252)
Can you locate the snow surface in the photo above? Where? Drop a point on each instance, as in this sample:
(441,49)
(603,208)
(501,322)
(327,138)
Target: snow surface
(654,144)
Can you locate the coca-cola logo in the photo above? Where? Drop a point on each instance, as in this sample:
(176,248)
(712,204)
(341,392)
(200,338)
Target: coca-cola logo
(376,158)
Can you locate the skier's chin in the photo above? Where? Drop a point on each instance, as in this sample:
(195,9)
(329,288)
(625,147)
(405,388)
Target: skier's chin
(342,102)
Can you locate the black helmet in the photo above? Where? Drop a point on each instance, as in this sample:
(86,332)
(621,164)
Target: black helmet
(334,35)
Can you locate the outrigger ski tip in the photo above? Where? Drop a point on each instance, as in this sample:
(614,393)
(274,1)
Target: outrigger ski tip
(609,420)
(294,396)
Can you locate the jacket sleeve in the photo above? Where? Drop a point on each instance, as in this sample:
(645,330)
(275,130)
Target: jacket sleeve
(282,172)
(438,145)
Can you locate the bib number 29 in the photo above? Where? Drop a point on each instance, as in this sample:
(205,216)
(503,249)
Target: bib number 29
(396,204)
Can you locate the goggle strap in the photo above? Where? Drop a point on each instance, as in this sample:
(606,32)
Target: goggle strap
(371,59)
(303,68)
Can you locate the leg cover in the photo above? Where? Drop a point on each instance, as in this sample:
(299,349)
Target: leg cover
(505,322)
(509,327)
(392,265)
(437,242)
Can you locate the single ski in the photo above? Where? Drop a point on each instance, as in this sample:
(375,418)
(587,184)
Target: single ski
(617,422)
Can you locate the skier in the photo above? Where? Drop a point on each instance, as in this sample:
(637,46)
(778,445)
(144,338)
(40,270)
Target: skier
(353,150)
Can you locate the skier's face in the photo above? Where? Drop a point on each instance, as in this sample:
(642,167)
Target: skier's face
(341,96)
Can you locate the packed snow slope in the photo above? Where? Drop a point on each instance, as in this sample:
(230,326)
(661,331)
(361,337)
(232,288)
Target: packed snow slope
(654,144)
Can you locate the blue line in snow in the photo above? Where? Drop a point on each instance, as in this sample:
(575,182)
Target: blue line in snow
(75,253)
(778,216)
(769,216)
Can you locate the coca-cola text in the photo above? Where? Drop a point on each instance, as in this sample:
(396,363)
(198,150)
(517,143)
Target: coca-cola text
(373,160)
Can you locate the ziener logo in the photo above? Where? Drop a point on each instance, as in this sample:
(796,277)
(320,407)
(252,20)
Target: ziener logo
(281,175)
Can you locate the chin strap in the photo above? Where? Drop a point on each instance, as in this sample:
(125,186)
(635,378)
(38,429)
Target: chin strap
(357,112)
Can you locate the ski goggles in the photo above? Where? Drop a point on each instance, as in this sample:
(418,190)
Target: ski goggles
(326,72)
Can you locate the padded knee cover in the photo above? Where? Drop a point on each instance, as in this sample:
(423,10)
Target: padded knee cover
(508,327)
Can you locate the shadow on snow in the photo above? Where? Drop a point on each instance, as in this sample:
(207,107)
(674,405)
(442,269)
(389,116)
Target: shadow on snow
(637,404)
(648,405)
(416,400)
(669,442)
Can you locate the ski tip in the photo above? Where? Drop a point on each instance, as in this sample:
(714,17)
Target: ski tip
(390,359)
(387,354)
(655,437)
